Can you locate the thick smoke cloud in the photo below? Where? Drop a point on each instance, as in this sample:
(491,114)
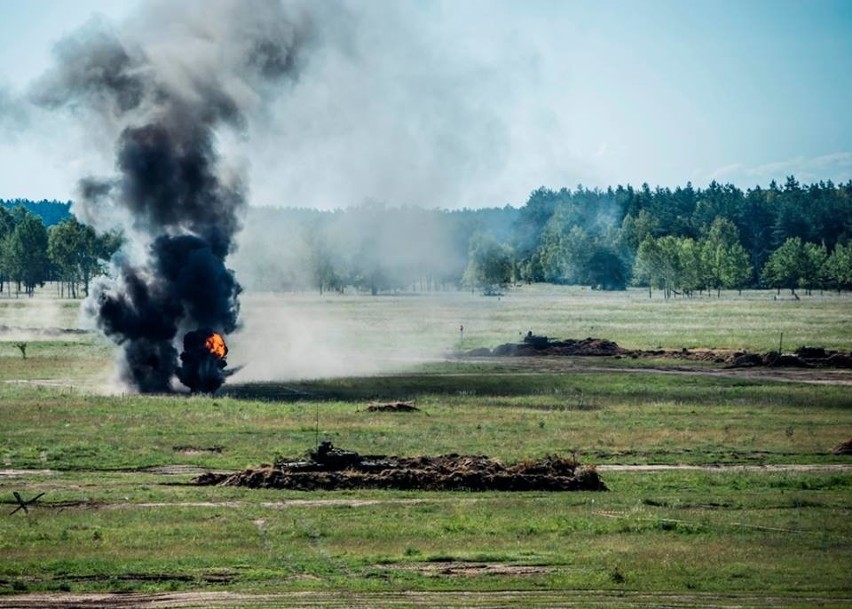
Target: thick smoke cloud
(434,103)
(165,88)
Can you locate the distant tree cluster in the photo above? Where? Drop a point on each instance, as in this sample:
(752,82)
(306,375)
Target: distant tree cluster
(67,252)
(682,242)
(687,239)
(50,212)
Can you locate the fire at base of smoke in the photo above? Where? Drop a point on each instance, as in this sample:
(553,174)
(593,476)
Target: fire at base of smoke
(203,361)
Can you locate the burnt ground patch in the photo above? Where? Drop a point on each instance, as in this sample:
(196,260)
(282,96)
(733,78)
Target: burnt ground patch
(392,407)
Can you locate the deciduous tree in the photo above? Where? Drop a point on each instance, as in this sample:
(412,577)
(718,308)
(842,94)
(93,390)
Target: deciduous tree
(724,261)
(489,263)
(26,253)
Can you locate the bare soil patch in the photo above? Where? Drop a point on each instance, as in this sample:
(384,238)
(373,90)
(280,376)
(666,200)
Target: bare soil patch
(20,473)
(393,407)
(197,450)
(329,468)
(451,568)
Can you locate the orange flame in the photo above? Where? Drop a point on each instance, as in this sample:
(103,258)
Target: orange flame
(216,345)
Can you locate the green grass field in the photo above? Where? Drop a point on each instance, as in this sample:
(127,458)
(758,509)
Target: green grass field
(118,514)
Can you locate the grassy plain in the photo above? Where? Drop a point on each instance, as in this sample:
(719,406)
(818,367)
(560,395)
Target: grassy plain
(118,514)
(751,320)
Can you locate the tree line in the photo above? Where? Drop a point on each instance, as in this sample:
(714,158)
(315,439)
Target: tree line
(689,239)
(67,252)
(680,241)
(50,211)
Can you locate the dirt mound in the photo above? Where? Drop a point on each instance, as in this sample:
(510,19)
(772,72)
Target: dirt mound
(330,468)
(844,448)
(811,352)
(839,360)
(393,407)
(821,357)
(787,360)
(541,345)
(747,360)
(803,357)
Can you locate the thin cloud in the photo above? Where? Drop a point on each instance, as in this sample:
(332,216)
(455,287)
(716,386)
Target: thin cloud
(723,173)
(836,166)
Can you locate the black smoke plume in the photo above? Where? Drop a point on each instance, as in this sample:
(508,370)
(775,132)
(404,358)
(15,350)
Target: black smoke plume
(164,89)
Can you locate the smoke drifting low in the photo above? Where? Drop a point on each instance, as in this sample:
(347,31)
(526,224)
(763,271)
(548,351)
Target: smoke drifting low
(165,89)
(400,102)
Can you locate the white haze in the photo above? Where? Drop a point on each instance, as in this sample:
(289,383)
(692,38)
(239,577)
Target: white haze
(26,318)
(286,337)
(300,334)
(434,104)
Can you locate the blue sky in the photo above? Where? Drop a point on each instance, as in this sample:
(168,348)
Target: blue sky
(29,29)
(478,103)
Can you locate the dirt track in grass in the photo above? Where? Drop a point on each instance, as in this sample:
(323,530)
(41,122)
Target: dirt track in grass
(181,470)
(612,599)
(819,376)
